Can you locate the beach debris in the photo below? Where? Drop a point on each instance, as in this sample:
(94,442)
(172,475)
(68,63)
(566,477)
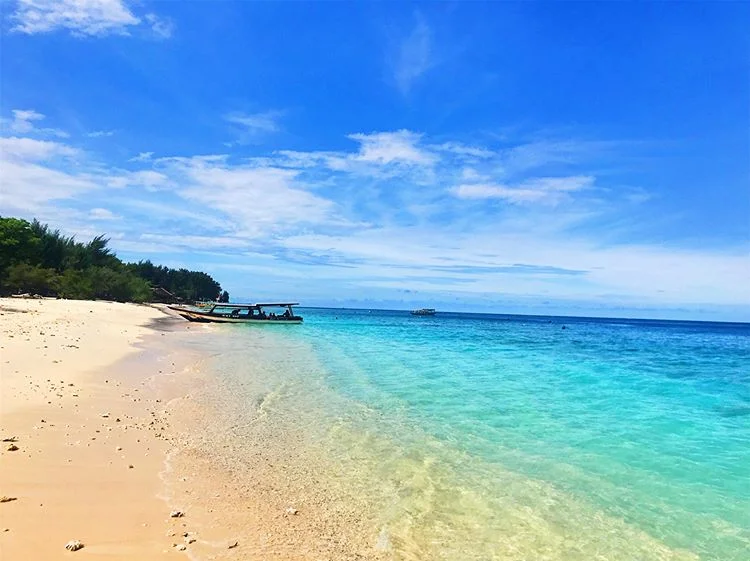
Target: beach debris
(130,466)
(11,439)
(180,547)
(190,540)
(12,448)
(291,510)
(73,545)
(232,545)
(176,514)
(5,499)
(118,448)
(105,415)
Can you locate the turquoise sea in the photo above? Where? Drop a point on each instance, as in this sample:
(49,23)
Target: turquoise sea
(510,437)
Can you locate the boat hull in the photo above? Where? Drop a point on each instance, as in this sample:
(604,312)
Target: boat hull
(203,317)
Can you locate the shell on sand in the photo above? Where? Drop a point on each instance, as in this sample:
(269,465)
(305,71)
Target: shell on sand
(12,448)
(176,514)
(73,545)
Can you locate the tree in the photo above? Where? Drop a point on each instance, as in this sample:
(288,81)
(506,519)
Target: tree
(224,298)
(34,258)
(18,243)
(23,277)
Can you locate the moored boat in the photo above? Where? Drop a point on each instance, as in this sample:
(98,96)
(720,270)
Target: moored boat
(424,312)
(240,313)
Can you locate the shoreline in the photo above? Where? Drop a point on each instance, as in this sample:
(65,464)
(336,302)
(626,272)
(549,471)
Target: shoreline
(83,398)
(244,431)
(97,387)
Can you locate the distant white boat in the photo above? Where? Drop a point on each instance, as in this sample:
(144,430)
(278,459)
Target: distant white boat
(424,312)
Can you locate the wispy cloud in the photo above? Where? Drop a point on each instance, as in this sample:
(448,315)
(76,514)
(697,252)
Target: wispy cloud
(23,122)
(547,190)
(149,179)
(142,157)
(413,56)
(100,134)
(380,154)
(162,28)
(102,214)
(251,127)
(30,149)
(95,18)
(396,211)
(260,200)
(465,150)
(392,147)
(36,173)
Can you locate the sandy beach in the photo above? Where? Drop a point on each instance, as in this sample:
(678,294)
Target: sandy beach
(83,454)
(103,441)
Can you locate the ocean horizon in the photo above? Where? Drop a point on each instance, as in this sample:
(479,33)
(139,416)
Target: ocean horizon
(495,436)
(524,316)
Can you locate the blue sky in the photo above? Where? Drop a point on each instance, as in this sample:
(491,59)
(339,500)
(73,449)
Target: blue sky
(565,158)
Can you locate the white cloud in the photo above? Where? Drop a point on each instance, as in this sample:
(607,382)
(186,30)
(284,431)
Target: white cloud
(84,18)
(142,157)
(486,262)
(100,134)
(23,123)
(102,214)
(161,27)
(147,178)
(549,190)
(251,127)
(358,219)
(15,148)
(260,200)
(413,57)
(380,155)
(28,187)
(542,153)
(392,147)
(464,150)
(470,174)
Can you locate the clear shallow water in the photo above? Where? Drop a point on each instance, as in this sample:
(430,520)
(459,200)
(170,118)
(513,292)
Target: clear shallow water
(502,437)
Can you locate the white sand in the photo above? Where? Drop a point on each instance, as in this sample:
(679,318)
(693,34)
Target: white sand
(70,475)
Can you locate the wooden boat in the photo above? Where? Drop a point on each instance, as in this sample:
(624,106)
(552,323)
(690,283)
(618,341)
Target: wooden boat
(240,313)
(424,312)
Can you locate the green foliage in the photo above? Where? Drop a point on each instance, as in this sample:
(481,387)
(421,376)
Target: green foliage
(36,259)
(188,285)
(23,277)
(18,243)
(123,286)
(76,285)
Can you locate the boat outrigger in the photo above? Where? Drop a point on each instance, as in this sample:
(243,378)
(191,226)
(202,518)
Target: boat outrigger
(239,313)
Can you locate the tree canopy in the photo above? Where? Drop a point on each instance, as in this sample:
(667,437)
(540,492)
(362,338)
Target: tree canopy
(37,259)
